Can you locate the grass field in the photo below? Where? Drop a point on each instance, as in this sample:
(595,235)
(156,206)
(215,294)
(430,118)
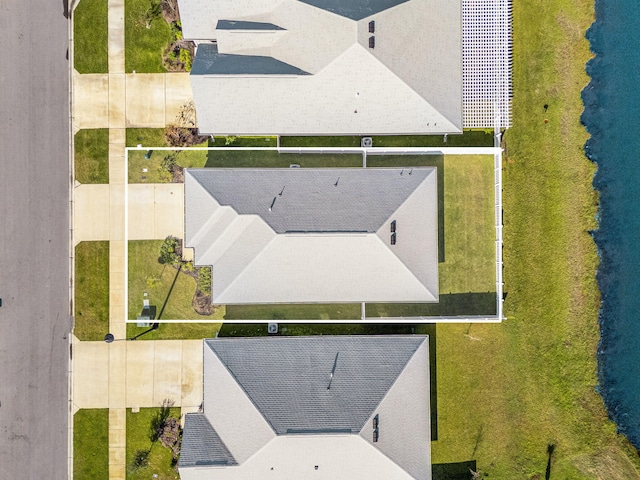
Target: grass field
(91,290)
(154,172)
(148,137)
(168,290)
(273,159)
(138,428)
(91,444)
(470,138)
(90,37)
(294,312)
(175,331)
(91,158)
(508,391)
(143,47)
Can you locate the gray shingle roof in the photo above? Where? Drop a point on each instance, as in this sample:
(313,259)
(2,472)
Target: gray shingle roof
(201,445)
(354,9)
(288,378)
(314,200)
(411,82)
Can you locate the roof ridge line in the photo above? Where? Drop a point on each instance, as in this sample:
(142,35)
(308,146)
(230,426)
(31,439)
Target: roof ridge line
(409,86)
(414,192)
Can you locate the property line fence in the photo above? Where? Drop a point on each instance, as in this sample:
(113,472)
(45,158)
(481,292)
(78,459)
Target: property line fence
(496,151)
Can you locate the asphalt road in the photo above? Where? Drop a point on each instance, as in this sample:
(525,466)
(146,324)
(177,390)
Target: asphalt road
(34,239)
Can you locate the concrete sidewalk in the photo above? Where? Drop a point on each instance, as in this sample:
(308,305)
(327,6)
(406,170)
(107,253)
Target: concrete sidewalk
(127,374)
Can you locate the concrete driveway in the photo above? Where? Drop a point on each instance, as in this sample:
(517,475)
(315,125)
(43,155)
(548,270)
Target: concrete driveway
(153,371)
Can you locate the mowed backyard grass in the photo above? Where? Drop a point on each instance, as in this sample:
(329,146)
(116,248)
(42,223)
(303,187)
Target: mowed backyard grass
(506,392)
(90,29)
(467,268)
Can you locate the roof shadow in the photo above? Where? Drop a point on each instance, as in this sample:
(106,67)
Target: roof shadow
(453,471)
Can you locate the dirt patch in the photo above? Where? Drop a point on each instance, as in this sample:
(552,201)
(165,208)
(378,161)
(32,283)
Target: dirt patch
(202,303)
(178,177)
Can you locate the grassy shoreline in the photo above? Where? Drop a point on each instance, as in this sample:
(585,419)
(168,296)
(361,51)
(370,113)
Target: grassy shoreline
(546,350)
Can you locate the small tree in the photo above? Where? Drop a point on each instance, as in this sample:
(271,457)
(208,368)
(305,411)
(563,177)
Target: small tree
(140,460)
(158,422)
(150,14)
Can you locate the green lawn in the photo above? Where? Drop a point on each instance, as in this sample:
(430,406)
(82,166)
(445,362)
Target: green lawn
(90,37)
(143,47)
(143,170)
(91,159)
(138,428)
(336,311)
(506,392)
(147,137)
(273,159)
(91,302)
(169,291)
(315,328)
(244,142)
(175,331)
(91,444)
(470,138)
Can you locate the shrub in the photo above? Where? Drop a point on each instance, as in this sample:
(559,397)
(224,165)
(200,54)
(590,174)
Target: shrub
(185,57)
(169,162)
(176,30)
(204,279)
(168,253)
(182,136)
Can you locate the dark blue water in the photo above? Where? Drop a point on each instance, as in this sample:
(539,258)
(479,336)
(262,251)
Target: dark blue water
(612,117)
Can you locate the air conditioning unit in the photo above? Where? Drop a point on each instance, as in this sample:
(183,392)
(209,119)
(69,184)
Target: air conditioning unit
(272,328)
(366,142)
